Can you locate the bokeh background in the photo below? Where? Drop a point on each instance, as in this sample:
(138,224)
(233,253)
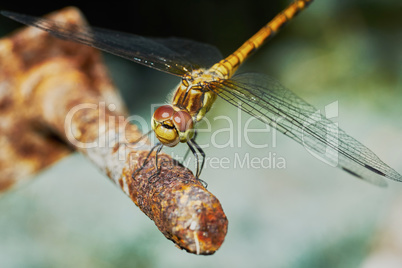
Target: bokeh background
(305,215)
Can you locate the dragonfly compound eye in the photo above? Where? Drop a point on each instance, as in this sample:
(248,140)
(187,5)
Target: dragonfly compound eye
(163,113)
(163,126)
(183,122)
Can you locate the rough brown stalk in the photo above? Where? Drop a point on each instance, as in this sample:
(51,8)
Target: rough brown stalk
(56,97)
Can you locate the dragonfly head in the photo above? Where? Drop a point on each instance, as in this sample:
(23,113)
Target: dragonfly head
(172,126)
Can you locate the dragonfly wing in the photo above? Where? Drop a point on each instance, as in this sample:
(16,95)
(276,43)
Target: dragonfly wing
(200,55)
(267,100)
(173,55)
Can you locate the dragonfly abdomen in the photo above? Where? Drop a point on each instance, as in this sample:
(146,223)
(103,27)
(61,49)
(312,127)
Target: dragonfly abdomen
(228,66)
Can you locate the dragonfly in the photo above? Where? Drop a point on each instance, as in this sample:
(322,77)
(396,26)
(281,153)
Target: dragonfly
(206,75)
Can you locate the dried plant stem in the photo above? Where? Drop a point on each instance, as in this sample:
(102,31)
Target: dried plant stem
(62,88)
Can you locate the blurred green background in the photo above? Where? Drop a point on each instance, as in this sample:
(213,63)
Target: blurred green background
(305,215)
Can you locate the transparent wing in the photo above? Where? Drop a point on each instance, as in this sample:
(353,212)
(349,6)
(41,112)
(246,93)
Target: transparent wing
(172,55)
(266,99)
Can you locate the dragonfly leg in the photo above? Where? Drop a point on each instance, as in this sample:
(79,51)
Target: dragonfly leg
(146,160)
(158,169)
(196,149)
(188,150)
(202,153)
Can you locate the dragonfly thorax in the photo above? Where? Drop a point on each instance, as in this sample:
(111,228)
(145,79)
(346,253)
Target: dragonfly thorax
(194,95)
(202,76)
(172,125)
